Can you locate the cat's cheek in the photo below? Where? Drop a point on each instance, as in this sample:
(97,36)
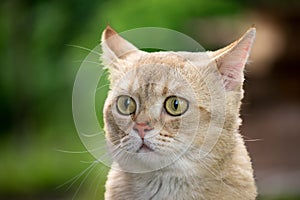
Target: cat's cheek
(130,144)
(113,126)
(124,123)
(174,123)
(110,128)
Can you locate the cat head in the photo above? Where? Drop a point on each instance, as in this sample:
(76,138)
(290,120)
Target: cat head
(162,106)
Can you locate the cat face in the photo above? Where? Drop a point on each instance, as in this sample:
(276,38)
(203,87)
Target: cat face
(161,104)
(150,112)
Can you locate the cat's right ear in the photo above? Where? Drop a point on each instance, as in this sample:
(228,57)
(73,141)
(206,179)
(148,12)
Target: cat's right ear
(231,60)
(115,48)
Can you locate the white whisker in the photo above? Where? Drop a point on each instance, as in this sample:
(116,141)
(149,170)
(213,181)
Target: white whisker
(74,179)
(91,135)
(102,86)
(254,140)
(84,179)
(87,61)
(71,152)
(84,48)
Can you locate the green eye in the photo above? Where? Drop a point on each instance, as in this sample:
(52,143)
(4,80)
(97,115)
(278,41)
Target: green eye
(126,105)
(176,106)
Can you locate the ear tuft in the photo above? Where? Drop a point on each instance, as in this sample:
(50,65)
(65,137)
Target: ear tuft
(231,60)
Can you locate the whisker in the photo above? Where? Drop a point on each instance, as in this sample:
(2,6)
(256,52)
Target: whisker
(102,86)
(80,152)
(84,48)
(104,73)
(254,140)
(84,179)
(89,162)
(96,181)
(91,135)
(71,152)
(88,61)
(251,139)
(74,179)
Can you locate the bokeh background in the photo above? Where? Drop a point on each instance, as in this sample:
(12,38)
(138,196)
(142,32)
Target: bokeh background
(41,156)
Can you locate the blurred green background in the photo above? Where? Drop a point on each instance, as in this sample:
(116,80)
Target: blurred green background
(40,150)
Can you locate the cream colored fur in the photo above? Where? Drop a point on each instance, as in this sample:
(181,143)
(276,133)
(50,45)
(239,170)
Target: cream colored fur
(183,165)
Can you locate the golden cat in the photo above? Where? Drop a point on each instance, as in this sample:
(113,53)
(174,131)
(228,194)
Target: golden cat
(172,120)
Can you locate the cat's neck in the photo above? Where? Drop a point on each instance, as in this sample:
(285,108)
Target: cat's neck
(201,179)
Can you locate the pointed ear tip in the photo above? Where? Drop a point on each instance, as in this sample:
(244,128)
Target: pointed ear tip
(108,32)
(109,28)
(251,32)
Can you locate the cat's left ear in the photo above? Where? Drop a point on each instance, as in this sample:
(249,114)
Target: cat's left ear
(115,47)
(231,60)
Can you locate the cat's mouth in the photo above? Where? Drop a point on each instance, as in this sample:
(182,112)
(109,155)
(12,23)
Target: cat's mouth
(144,149)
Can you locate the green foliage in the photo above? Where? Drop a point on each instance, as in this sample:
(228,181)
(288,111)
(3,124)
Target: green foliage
(124,14)
(37,72)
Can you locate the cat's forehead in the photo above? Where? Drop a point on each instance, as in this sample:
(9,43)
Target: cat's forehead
(174,59)
(161,74)
(154,81)
(162,58)
(157,80)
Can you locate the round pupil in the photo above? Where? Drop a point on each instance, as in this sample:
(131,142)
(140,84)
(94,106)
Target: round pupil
(176,104)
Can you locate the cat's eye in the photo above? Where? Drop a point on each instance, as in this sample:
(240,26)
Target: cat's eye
(126,105)
(176,106)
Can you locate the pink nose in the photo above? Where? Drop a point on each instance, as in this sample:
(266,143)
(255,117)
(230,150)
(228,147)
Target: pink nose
(142,128)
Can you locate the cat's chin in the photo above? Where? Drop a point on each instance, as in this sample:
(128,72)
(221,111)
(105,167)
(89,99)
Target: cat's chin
(145,160)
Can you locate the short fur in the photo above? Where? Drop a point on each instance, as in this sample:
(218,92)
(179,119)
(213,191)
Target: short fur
(181,165)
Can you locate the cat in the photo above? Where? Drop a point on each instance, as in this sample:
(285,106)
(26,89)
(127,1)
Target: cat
(171,122)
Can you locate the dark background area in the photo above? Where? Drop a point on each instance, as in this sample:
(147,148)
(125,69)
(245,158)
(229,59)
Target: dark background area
(38,69)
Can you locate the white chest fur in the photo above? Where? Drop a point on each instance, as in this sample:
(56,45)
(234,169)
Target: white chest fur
(154,185)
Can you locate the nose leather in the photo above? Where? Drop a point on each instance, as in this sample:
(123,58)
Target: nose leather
(142,128)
